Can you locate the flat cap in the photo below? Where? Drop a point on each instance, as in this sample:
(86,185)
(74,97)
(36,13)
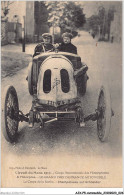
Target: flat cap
(46,35)
(66,34)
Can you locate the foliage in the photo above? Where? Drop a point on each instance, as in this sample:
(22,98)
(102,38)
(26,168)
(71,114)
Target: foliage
(5,7)
(111,14)
(101,22)
(94,22)
(65,14)
(101,13)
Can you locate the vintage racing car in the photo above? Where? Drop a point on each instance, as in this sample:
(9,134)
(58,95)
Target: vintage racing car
(56,81)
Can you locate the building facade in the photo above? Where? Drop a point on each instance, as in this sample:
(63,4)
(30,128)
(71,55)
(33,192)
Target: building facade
(35,20)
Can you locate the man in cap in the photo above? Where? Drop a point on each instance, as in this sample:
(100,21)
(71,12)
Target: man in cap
(45,45)
(66,45)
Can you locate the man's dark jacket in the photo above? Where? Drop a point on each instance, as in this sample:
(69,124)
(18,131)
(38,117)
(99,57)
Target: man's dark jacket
(68,48)
(40,48)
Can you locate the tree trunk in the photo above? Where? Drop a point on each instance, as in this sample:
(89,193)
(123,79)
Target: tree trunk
(109,27)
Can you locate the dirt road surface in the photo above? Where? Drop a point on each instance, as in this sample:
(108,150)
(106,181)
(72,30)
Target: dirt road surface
(60,140)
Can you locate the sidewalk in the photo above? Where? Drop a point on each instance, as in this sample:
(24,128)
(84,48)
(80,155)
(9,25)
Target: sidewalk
(13,59)
(17,48)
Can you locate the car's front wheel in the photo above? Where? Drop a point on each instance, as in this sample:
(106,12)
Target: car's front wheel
(10,114)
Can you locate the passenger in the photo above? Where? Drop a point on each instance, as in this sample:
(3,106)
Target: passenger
(44,46)
(66,45)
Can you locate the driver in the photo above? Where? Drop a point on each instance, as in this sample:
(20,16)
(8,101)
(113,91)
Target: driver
(45,45)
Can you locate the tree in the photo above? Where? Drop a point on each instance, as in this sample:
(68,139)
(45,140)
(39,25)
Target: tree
(65,15)
(110,19)
(106,15)
(74,15)
(94,23)
(5,7)
(101,22)
(102,18)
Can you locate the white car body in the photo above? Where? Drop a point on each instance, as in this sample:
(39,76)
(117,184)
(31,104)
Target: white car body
(55,65)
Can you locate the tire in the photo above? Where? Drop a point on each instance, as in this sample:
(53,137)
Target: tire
(104,120)
(10,114)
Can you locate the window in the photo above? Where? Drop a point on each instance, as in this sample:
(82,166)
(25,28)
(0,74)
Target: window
(47,81)
(65,85)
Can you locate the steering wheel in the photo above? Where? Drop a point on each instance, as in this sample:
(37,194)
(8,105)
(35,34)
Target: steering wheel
(45,51)
(49,51)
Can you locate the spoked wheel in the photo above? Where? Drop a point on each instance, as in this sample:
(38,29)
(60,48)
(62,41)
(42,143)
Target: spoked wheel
(105,113)
(10,114)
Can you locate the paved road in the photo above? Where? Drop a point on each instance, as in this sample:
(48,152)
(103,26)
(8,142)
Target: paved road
(104,62)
